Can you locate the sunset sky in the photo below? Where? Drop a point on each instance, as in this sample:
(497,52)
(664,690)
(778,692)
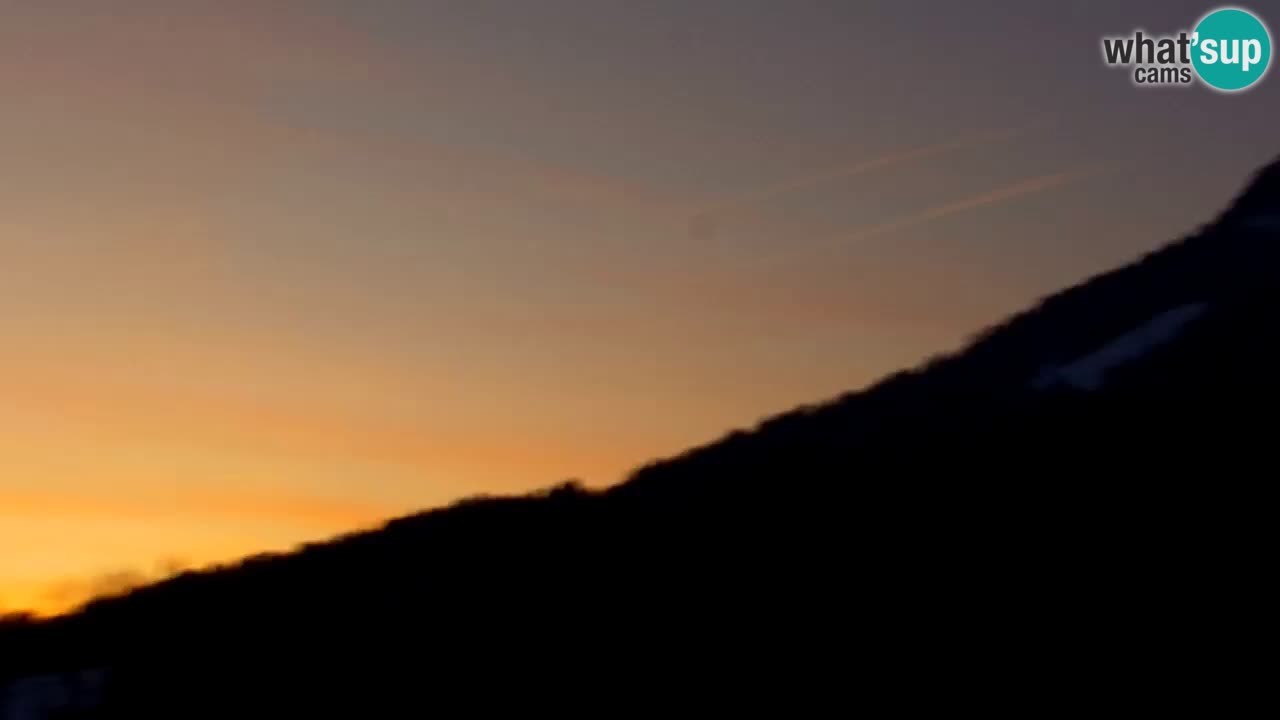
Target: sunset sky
(274,270)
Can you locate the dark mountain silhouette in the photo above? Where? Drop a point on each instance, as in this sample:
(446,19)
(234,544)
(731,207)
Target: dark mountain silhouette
(1070,509)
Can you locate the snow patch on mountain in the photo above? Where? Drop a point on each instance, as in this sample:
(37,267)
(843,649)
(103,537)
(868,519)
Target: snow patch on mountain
(49,696)
(1089,372)
(1269,223)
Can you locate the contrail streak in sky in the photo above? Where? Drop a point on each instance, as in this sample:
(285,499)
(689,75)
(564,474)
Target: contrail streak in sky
(993,197)
(702,221)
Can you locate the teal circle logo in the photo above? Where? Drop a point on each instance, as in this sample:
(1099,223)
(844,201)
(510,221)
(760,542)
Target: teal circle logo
(1231,49)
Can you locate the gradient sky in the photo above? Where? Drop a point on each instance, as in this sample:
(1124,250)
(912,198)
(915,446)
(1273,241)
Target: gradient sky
(273,270)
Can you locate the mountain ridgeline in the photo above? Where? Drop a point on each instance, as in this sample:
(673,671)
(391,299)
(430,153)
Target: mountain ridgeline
(1073,503)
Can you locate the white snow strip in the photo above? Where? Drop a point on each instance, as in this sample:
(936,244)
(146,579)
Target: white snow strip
(1089,372)
(48,696)
(1263,222)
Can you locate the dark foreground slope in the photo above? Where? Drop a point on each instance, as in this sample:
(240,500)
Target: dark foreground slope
(1074,505)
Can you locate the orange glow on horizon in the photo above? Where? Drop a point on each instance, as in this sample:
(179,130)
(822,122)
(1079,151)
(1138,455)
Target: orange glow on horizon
(270,273)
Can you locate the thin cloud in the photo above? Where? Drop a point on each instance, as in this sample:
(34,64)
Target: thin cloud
(702,222)
(1029,186)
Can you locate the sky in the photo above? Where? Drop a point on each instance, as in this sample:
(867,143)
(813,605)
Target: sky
(274,271)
